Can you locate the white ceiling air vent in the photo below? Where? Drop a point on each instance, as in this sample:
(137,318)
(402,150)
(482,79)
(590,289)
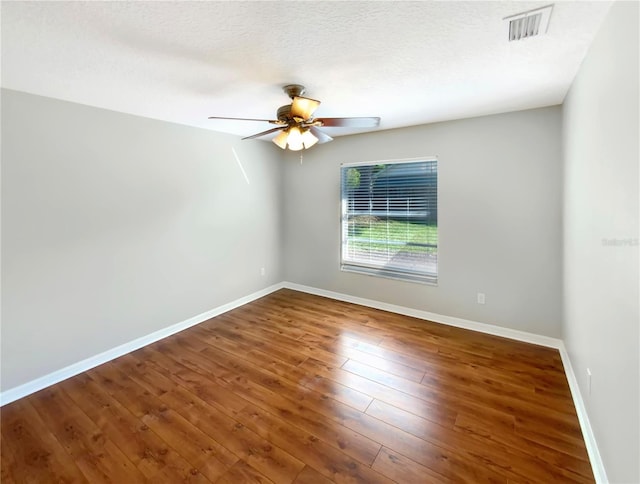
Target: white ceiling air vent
(529,24)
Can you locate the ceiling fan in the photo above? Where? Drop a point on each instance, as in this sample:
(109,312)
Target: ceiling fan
(298,128)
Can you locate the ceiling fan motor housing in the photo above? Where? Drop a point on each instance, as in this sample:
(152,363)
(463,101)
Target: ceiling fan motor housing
(284,113)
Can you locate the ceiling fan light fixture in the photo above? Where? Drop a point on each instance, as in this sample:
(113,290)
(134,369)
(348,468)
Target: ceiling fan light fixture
(303,107)
(308,139)
(295,141)
(281,139)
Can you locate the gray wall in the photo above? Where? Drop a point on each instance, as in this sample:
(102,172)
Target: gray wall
(499,218)
(115,226)
(601,317)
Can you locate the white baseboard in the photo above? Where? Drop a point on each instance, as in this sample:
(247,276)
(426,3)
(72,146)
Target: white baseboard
(587,432)
(589,438)
(33,386)
(436,318)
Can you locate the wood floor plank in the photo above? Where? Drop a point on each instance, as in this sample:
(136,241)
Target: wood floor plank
(552,438)
(210,458)
(521,405)
(266,391)
(450,464)
(386,354)
(198,448)
(337,391)
(261,454)
(257,335)
(498,361)
(295,412)
(401,469)
(285,354)
(97,457)
(241,472)
(327,460)
(214,418)
(441,413)
(201,384)
(311,476)
(152,455)
(494,455)
(324,320)
(8,464)
(30,451)
(576,461)
(239,348)
(296,388)
(438,369)
(337,346)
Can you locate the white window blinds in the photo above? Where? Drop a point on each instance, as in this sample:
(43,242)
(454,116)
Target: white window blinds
(390,219)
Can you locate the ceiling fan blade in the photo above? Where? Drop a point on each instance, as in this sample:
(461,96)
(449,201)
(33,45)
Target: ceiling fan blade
(350,122)
(269,131)
(322,137)
(273,121)
(303,107)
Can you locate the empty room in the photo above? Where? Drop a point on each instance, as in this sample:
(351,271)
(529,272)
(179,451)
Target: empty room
(314,242)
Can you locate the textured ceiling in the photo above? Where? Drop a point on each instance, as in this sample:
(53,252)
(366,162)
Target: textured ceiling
(407,62)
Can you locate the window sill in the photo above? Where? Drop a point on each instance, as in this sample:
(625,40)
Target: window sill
(369,271)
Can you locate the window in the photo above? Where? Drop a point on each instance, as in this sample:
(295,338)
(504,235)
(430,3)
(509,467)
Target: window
(390,219)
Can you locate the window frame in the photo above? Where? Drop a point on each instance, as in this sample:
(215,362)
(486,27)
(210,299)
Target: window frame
(427,278)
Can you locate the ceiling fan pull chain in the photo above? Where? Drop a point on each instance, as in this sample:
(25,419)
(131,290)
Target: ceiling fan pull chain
(301,158)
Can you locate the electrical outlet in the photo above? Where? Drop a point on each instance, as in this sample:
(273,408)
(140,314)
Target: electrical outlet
(262,271)
(588,382)
(481,298)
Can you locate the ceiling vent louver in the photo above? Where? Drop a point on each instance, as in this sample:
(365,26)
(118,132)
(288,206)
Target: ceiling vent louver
(529,24)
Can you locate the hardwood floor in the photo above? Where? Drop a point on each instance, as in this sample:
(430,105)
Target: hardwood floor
(294,388)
